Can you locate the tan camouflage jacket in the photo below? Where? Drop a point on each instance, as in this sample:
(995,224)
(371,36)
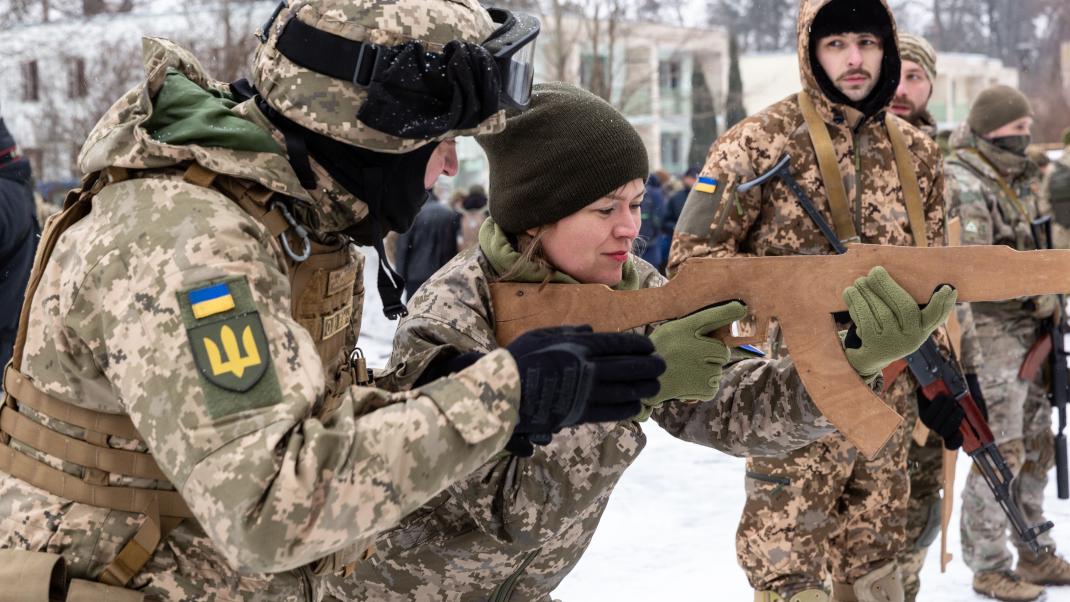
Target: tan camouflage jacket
(768,220)
(989,215)
(273,483)
(516,527)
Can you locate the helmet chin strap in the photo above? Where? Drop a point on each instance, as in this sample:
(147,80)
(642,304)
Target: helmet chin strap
(356,171)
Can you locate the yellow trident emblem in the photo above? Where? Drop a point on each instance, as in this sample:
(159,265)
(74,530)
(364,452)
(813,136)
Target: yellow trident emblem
(236,362)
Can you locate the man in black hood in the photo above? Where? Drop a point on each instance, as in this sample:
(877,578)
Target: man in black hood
(18,236)
(825,515)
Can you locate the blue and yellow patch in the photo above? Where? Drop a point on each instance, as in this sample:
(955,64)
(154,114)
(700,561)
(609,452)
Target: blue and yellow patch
(229,346)
(211,300)
(706,184)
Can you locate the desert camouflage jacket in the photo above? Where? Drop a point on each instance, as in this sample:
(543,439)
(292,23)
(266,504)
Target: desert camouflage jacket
(517,526)
(274,482)
(768,220)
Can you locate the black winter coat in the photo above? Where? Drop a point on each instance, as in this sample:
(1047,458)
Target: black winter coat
(428,245)
(18,243)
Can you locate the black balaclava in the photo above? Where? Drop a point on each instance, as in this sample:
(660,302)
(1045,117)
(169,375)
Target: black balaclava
(392,185)
(858,16)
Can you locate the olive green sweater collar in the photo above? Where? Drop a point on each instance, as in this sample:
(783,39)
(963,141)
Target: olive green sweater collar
(502,257)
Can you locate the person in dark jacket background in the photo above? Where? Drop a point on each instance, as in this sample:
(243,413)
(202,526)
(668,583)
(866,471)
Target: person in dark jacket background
(18,236)
(650,231)
(675,204)
(428,245)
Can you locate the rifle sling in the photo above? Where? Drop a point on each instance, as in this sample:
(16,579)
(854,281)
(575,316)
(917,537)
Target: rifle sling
(908,179)
(832,177)
(1003,185)
(830,169)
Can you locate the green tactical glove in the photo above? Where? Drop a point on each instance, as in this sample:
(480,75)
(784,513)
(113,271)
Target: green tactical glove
(888,324)
(694,360)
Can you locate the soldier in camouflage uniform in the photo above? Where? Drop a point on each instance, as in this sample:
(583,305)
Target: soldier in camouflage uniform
(823,507)
(993,187)
(1055,196)
(518,525)
(187,417)
(925,459)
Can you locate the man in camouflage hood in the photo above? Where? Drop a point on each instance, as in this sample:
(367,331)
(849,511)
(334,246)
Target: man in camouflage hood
(188,417)
(824,506)
(992,185)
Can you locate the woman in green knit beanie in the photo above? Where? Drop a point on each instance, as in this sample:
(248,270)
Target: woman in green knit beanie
(566,182)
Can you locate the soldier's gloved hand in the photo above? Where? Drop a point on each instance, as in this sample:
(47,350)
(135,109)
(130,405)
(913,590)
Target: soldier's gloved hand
(695,359)
(888,324)
(570,375)
(943,416)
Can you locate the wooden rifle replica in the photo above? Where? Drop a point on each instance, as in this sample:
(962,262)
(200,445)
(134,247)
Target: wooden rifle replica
(802,292)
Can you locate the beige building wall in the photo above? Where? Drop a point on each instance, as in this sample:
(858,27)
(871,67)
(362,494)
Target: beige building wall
(649,66)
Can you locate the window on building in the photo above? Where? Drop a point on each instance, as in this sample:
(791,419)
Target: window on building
(671,155)
(669,74)
(30,83)
(77,84)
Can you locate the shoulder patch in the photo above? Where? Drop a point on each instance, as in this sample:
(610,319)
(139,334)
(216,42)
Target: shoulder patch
(701,208)
(229,346)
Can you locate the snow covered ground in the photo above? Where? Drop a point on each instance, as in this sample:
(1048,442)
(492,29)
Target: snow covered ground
(669,530)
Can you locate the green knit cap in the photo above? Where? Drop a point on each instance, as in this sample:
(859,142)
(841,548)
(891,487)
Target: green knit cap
(996,107)
(569,149)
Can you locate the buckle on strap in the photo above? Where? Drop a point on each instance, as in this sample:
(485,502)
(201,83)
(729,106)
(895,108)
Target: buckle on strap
(367,66)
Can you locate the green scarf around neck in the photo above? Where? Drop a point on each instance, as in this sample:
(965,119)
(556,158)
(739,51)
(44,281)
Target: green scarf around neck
(495,245)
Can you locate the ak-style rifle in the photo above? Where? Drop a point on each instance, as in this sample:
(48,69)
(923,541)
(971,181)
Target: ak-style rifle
(1050,347)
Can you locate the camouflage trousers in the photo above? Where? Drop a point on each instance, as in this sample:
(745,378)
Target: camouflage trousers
(1020,417)
(824,510)
(925,466)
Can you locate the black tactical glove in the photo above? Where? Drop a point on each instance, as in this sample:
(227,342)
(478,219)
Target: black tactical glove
(978,397)
(943,416)
(570,375)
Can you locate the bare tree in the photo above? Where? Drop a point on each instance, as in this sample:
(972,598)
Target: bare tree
(759,25)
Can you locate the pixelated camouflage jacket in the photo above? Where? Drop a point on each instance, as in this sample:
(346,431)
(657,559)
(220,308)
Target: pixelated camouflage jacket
(517,526)
(768,220)
(273,483)
(989,215)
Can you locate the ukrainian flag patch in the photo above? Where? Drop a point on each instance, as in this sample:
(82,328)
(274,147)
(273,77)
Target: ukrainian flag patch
(211,300)
(705,184)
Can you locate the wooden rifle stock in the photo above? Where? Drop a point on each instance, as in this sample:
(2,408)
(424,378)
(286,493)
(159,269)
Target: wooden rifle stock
(802,292)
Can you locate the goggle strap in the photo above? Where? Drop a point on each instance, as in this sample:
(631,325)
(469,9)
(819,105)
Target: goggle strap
(326,53)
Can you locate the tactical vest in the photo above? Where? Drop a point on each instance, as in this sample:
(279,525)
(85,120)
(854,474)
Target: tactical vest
(326,288)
